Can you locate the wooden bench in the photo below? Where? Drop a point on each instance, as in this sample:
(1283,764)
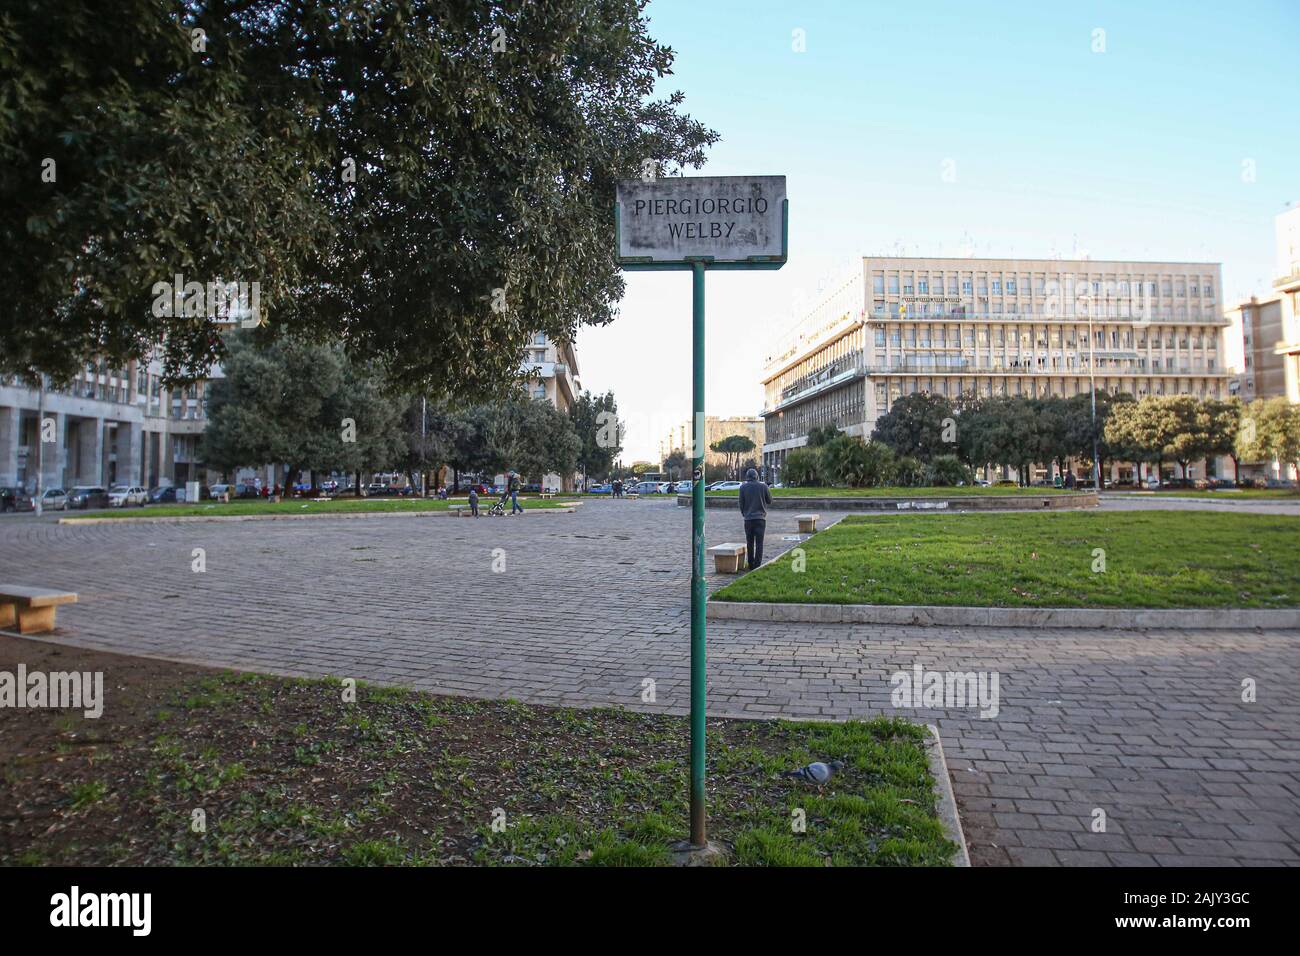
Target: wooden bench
(31,608)
(728,558)
(807,523)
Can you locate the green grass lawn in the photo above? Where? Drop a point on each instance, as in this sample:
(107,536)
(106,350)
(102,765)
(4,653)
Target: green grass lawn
(901,492)
(289,774)
(1153,559)
(213,509)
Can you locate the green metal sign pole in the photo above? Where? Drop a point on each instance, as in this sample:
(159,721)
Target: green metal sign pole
(699,834)
(699,223)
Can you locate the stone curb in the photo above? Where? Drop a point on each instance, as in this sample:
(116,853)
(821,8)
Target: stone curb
(922,504)
(183,519)
(947,801)
(938,616)
(1227,499)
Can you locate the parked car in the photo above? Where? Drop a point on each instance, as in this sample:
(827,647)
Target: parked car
(54,499)
(88,496)
(726,486)
(125,496)
(376,488)
(406,491)
(15,499)
(683,487)
(601,489)
(163,496)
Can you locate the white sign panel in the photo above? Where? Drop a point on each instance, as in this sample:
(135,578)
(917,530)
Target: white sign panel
(673,219)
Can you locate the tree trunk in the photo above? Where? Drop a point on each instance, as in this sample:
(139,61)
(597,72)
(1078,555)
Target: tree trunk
(1236,471)
(356,486)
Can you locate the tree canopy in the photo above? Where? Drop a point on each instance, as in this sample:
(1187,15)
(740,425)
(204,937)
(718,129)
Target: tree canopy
(426,181)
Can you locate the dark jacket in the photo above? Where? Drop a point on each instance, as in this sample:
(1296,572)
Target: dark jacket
(754,499)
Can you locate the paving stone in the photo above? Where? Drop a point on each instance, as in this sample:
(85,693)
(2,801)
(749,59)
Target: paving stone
(1147,725)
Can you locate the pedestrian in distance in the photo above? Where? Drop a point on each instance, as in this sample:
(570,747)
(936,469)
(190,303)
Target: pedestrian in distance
(473,501)
(755,498)
(513,486)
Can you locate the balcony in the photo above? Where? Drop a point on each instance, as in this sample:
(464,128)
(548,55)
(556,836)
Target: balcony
(1009,317)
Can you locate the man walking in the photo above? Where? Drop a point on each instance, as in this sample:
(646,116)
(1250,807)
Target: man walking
(754,500)
(513,485)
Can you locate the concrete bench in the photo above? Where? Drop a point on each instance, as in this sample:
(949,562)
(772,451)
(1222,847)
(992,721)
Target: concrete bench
(727,558)
(631,494)
(546,494)
(31,608)
(807,523)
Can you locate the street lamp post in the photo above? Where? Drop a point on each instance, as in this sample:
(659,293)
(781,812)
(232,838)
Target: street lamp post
(1092,381)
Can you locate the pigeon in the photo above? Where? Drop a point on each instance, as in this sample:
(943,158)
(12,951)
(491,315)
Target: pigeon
(818,773)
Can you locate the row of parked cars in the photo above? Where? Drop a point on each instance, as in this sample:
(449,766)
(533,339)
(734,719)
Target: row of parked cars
(83,497)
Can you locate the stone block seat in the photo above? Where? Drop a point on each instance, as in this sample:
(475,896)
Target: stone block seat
(32,609)
(728,558)
(807,523)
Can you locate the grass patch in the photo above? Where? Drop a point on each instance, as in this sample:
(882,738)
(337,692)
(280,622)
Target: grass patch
(299,506)
(976,490)
(286,773)
(1153,559)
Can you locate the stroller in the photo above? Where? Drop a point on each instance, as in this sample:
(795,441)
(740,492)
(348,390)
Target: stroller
(498,509)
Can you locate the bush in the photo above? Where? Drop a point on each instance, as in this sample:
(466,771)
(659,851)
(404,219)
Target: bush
(909,472)
(803,468)
(946,470)
(848,460)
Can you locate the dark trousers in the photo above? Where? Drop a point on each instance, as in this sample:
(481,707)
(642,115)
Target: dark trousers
(755,528)
(473,508)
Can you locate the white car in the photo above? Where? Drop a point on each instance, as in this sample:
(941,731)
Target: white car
(54,499)
(123,496)
(726,486)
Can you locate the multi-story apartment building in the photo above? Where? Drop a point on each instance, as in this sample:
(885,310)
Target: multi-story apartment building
(555,368)
(984,327)
(715,429)
(110,426)
(1286,347)
(1263,372)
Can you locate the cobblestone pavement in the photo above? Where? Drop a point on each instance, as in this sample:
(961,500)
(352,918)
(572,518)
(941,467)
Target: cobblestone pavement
(1147,726)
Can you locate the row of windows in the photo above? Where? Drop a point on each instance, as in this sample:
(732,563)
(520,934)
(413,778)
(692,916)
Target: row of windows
(938,336)
(920,360)
(843,406)
(1064,309)
(823,364)
(909,283)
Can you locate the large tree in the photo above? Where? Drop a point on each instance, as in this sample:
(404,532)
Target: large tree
(427,181)
(600,433)
(301,405)
(921,425)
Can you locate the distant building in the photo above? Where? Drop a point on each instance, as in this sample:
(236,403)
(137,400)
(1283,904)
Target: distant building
(989,327)
(715,429)
(110,426)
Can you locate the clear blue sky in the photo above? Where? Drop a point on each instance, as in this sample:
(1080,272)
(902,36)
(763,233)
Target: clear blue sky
(1136,152)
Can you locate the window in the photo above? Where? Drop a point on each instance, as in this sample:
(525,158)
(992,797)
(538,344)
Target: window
(965,286)
(997,286)
(893,285)
(539,338)
(1011,287)
(923,286)
(878,284)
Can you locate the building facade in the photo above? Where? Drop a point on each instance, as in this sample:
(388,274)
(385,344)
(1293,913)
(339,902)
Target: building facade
(110,426)
(984,327)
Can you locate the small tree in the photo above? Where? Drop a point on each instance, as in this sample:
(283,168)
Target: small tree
(733,447)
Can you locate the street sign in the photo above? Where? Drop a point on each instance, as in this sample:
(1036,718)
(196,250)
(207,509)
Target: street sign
(729,222)
(699,223)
